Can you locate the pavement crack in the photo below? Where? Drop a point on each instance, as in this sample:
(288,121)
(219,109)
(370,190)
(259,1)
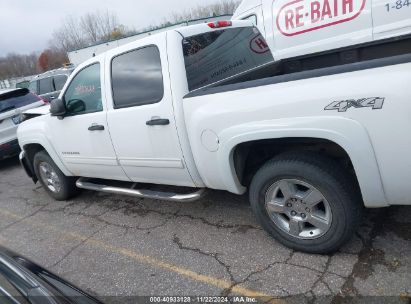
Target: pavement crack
(323,273)
(215,256)
(22,219)
(130,207)
(261,270)
(75,247)
(363,268)
(218,225)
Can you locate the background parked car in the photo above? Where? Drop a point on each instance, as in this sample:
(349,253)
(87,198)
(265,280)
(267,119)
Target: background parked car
(48,85)
(12,103)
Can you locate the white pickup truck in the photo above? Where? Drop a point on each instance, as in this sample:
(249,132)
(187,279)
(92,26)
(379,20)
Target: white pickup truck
(199,107)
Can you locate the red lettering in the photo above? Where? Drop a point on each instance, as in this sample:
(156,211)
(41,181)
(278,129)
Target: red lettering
(299,16)
(289,22)
(261,43)
(326,10)
(315,11)
(335,8)
(347,4)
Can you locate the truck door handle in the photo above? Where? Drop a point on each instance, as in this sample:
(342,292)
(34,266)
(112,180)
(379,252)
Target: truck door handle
(158,122)
(96,128)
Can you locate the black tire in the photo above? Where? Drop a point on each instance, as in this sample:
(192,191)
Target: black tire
(330,179)
(67,184)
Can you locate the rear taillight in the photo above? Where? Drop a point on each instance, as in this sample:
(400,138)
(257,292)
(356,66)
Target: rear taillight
(219,24)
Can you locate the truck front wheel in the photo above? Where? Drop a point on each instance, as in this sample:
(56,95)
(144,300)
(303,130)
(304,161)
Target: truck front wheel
(306,202)
(56,184)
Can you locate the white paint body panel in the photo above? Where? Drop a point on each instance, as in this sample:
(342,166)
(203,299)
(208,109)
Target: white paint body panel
(294,28)
(392,22)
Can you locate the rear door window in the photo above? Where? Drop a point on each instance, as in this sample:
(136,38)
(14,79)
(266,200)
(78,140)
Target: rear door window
(137,78)
(222,54)
(46,86)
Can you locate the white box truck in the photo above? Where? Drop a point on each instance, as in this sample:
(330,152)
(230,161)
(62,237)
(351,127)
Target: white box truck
(300,27)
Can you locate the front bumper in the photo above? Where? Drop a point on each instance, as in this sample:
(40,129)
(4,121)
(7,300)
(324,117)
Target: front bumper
(9,149)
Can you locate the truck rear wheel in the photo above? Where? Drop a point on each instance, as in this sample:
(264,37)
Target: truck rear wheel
(56,184)
(306,202)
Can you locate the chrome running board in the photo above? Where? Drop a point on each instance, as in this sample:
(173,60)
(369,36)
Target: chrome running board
(85,183)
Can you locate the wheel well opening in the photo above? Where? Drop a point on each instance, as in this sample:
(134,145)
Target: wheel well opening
(31,150)
(248,157)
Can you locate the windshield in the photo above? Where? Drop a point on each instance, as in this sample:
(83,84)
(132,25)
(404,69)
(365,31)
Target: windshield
(214,56)
(16,100)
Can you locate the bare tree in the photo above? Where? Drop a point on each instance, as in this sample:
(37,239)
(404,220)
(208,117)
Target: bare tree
(223,7)
(108,23)
(90,26)
(15,65)
(76,33)
(100,26)
(69,36)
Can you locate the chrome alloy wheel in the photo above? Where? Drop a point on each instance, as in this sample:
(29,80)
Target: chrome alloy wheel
(298,208)
(49,177)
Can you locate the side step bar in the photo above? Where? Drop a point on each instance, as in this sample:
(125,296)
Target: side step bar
(84,183)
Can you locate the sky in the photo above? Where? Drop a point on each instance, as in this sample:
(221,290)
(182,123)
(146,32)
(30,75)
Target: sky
(27,25)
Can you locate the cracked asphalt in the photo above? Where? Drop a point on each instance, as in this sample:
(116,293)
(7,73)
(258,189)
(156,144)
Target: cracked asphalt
(114,246)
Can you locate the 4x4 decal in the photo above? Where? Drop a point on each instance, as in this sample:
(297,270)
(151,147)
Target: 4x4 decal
(375,103)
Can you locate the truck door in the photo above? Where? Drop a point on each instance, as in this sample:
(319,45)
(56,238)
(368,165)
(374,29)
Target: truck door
(141,118)
(81,138)
(391,18)
(309,26)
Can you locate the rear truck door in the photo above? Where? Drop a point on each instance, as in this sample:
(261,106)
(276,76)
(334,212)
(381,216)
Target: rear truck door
(391,18)
(141,116)
(82,138)
(309,26)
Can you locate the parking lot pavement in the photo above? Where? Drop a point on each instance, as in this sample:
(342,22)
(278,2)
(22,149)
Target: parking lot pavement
(119,246)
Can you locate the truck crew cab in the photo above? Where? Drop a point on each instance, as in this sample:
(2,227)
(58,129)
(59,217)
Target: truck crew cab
(200,107)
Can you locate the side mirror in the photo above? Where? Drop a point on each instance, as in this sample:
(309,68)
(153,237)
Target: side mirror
(75,106)
(57,108)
